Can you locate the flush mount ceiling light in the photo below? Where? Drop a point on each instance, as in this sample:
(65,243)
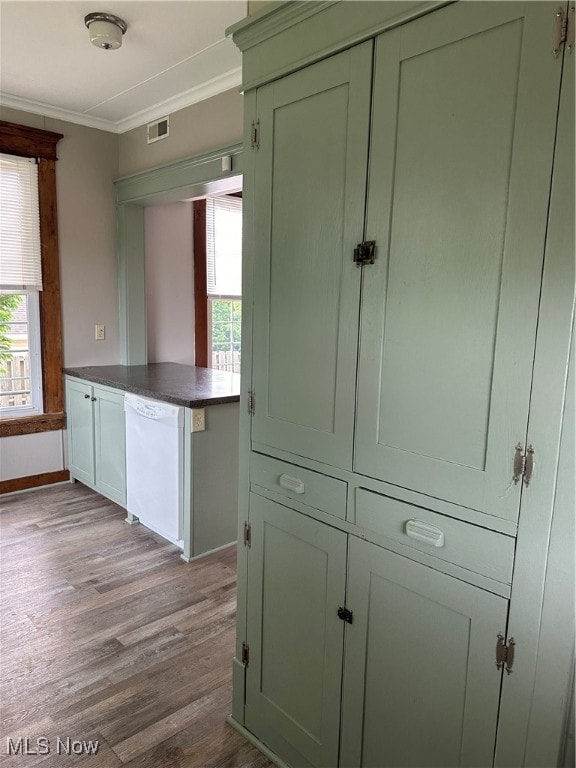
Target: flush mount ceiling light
(105,29)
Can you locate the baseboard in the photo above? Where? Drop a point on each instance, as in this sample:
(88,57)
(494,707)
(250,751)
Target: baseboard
(33,481)
(208,553)
(256,742)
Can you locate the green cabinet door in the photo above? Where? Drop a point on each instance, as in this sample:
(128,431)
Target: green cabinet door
(80,427)
(296,582)
(110,444)
(421,687)
(465,103)
(310,183)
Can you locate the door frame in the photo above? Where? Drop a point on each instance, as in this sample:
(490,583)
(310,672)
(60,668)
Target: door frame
(186,179)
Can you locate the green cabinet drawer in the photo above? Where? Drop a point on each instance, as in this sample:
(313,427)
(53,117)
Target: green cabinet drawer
(302,485)
(476,549)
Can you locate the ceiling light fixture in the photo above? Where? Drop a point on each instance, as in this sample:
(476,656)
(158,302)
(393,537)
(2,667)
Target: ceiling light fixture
(105,29)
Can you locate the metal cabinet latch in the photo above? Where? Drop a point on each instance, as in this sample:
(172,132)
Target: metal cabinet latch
(345,615)
(365,253)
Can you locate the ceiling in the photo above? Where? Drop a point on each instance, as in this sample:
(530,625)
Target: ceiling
(173,54)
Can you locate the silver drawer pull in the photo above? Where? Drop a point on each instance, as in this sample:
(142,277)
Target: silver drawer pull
(292,483)
(429,534)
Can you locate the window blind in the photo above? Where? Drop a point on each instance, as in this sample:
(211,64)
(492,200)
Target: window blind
(224,246)
(20,261)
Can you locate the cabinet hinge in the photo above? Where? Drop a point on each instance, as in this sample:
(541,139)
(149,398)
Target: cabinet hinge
(345,615)
(247,535)
(563,30)
(245,654)
(365,253)
(570,24)
(523,464)
(251,402)
(505,653)
(255,134)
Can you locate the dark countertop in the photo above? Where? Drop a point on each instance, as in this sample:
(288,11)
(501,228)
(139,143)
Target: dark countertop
(170,382)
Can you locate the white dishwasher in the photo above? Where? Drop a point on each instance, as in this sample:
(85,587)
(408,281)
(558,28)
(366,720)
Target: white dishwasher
(154,465)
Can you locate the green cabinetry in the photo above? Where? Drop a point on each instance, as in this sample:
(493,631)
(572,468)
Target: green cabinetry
(309,211)
(296,581)
(400,451)
(457,203)
(420,684)
(413,666)
(96,437)
(465,105)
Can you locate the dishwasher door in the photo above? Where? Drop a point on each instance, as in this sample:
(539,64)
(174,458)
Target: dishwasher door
(154,465)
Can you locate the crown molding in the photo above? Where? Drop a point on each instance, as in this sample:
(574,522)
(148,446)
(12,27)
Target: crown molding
(272,20)
(213,87)
(47,110)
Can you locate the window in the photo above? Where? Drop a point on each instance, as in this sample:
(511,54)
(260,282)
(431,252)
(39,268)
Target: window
(218,281)
(20,283)
(31,398)
(20,362)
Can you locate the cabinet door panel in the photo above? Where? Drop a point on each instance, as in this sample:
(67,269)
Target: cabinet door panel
(309,203)
(463,135)
(296,581)
(80,429)
(420,683)
(110,445)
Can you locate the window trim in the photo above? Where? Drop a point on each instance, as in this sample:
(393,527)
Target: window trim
(201,329)
(34,142)
(200,285)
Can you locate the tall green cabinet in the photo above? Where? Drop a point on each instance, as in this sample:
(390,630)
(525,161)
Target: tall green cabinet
(409,244)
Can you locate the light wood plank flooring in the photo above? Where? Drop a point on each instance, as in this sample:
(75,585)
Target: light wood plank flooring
(107,635)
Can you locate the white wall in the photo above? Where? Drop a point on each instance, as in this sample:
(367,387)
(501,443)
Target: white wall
(210,124)
(169,283)
(27,455)
(87,165)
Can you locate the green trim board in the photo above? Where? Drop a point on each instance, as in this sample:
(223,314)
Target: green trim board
(169,183)
(245,418)
(533,566)
(292,35)
(131,284)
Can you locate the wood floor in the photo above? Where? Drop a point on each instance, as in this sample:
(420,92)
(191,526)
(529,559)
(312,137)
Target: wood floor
(108,636)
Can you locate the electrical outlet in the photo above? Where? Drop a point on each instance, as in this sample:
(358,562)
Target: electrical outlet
(100,332)
(198,421)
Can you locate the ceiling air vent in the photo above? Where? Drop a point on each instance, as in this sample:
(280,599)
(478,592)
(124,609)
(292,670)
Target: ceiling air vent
(157,130)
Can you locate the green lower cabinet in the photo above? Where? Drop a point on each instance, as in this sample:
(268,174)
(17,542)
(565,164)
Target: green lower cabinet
(408,680)
(96,438)
(421,687)
(80,425)
(296,582)
(110,444)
